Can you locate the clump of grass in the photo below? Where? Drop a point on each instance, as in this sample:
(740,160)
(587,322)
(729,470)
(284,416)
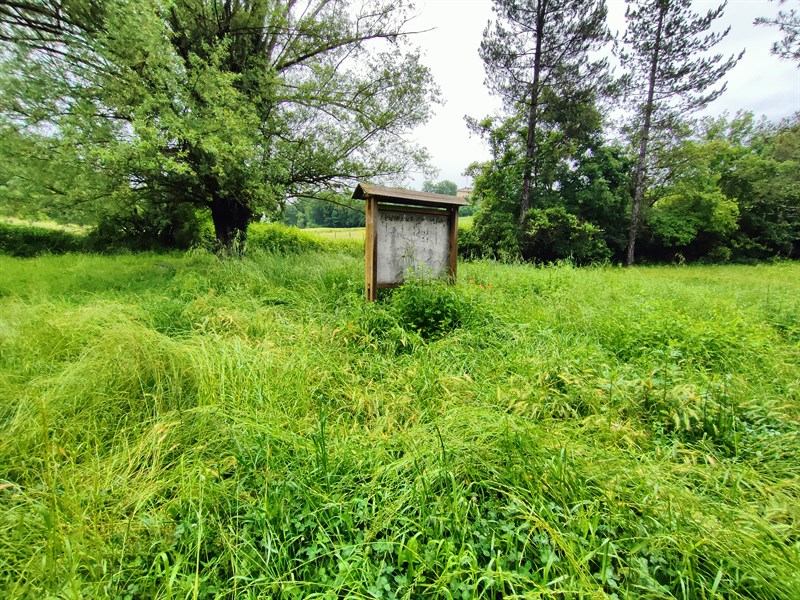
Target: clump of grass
(277,238)
(180,426)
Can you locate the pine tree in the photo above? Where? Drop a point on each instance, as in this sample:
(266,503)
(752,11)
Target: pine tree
(537,58)
(670,75)
(788,22)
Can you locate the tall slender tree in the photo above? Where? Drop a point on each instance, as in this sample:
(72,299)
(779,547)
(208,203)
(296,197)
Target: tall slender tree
(537,56)
(671,75)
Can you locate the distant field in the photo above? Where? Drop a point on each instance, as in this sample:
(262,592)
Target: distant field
(358,232)
(176,426)
(352,233)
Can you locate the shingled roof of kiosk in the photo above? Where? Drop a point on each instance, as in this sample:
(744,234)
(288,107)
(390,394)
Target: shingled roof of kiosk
(409,197)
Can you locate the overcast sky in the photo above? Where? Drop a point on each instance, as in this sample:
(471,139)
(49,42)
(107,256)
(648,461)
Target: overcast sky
(760,82)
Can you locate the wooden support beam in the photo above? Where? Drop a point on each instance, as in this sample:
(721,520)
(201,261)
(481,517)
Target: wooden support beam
(370,249)
(453,225)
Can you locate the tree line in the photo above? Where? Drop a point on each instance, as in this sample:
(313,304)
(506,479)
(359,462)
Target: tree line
(729,190)
(563,184)
(150,118)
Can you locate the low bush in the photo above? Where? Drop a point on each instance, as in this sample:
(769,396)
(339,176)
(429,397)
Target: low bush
(281,239)
(277,238)
(151,228)
(406,318)
(469,245)
(553,234)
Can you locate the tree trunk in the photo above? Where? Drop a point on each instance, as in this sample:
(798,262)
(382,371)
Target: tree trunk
(533,118)
(638,189)
(230,225)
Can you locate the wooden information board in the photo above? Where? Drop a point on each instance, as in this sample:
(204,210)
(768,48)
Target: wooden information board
(411,243)
(408,233)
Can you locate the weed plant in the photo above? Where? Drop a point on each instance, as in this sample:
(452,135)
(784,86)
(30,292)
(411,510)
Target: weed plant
(175,426)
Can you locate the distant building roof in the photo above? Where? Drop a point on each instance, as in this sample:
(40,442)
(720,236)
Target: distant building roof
(401,196)
(464,192)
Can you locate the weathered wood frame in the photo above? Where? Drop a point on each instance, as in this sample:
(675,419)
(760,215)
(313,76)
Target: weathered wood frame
(427,204)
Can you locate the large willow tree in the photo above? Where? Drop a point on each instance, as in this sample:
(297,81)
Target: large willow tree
(228,105)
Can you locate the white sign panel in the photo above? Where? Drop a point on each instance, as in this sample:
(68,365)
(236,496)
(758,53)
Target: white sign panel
(411,242)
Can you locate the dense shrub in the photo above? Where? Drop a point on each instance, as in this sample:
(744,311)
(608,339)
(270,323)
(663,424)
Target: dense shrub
(26,241)
(406,318)
(469,244)
(151,228)
(553,234)
(281,239)
(353,247)
(495,234)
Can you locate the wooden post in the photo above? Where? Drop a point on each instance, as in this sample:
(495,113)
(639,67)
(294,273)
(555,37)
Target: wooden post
(452,223)
(370,247)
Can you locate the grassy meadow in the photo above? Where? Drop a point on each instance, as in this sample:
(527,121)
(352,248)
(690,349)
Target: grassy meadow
(174,426)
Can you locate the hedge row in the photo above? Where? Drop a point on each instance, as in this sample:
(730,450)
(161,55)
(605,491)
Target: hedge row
(28,241)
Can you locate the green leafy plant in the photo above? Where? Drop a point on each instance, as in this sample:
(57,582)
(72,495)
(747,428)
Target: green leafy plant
(281,239)
(431,308)
(553,234)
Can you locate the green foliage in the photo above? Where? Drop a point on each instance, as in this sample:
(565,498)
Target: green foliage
(766,181)
(589,196)
(466,211)
(159,227)
(469,245)
(537,57)
(419,311)
(27,241)
(732,193)
(446,187)
(281,239)
(338,212)
(729,193)
(672,72)
(691,215)
(278,238)
(681,217)
(553,234)
(47,178)
(497,188)
(430,308)
(595,187)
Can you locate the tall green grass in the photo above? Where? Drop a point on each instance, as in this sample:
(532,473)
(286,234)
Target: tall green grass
(175,426)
